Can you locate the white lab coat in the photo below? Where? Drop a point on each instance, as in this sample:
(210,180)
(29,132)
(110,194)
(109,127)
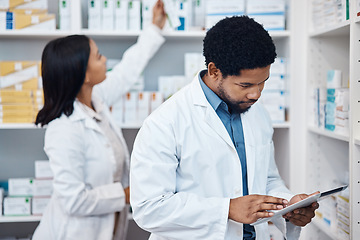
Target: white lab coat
(85,196)
(185,169)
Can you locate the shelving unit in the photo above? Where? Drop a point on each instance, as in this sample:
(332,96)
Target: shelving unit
(339,136)
(22,45)
(334,158)
(337,30)
(18,219)
(325,229)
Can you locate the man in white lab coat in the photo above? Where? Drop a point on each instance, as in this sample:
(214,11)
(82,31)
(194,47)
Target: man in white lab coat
(203,164)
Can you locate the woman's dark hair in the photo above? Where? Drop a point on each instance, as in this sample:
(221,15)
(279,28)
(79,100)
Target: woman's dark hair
(64,63)
(238,43)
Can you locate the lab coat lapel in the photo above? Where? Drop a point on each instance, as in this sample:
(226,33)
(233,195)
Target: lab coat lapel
(250,150)
(79,114)
(210,117)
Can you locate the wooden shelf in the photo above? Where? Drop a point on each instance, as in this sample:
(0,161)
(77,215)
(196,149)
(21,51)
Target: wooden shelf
(339,136)
(340,29)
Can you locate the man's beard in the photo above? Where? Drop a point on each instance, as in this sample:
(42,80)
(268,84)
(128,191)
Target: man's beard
(234,106)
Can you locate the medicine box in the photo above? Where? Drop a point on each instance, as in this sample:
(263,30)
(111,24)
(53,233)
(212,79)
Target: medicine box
(42,169)
(20,186)
(38,205)
(94,12)
(64,15)
(17,206)
(42,187)
(217,10)
(134,14)
(108,14)
(121,15)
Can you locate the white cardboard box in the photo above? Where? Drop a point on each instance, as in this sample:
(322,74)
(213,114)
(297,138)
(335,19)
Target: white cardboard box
(17,206)
(42,169)
(121,15)
(130,105)
(108,15)
(38,205)
(21,187)
(94,10)
(156,100)
(64,14)
(42,187)
(217,10)
(134,12)
(143,106)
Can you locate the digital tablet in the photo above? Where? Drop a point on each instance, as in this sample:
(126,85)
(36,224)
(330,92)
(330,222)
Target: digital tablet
(303,203)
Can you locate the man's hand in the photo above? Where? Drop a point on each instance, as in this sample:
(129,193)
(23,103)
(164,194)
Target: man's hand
(248,209)
(301,216)
(159,15)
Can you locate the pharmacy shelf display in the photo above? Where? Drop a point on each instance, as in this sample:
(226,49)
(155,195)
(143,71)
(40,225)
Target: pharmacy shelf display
(22,144)
(332,152)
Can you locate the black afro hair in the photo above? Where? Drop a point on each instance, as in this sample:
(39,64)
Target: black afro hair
(238,43)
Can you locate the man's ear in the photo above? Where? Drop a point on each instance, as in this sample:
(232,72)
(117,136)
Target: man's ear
(213,71)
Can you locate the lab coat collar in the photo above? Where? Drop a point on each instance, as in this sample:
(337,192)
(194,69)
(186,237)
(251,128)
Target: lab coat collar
(210,117)
(80,115)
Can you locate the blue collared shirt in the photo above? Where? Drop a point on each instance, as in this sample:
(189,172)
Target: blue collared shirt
(233,125)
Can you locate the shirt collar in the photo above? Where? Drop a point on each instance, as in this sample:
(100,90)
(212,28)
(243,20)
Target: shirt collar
(212,98)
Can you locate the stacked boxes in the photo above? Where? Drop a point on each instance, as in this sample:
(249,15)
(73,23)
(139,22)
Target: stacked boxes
(337,103)
(135,106)
(327,13)
(114,15)
(183,15)
(270,13)
(26,15)
(217,10)
(273,95)
(28,196)
(20,96)
(343,216)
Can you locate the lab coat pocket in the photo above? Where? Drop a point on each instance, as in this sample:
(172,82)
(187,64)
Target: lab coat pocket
(258,168)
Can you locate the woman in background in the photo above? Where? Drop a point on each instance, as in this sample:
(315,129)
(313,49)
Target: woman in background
(87,152)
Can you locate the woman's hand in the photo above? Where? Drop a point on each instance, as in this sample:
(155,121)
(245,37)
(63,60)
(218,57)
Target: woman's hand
(127,195)
(159,15)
